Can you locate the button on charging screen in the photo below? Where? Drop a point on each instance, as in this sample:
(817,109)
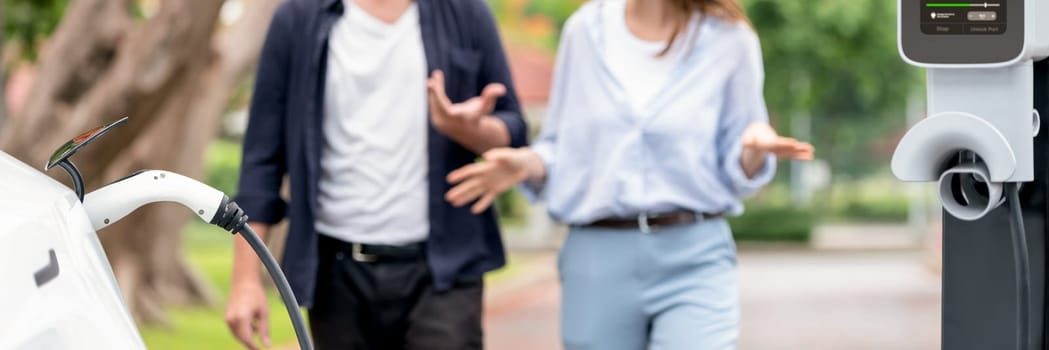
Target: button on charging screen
(939,17)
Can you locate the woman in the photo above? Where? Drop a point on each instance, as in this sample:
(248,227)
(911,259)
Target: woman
(656,129)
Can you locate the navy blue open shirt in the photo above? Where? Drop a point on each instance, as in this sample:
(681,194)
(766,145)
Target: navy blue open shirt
(284,135)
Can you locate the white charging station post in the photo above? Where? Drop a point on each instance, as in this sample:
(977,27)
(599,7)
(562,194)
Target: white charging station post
(986,84)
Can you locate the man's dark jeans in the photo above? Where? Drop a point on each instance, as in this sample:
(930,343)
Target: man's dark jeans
(390,305)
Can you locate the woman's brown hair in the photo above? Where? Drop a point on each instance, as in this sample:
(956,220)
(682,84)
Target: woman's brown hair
(726,10)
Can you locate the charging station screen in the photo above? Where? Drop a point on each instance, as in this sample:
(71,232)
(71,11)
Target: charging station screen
(953,32)
(939,17)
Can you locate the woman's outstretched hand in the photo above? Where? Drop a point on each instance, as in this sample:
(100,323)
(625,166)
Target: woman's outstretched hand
(761,138)
(501,169)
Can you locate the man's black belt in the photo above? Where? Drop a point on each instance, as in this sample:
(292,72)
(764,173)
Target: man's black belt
(377,252)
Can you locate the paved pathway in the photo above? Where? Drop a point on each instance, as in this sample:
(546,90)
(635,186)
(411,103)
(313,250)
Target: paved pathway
(523,314)
(798,299)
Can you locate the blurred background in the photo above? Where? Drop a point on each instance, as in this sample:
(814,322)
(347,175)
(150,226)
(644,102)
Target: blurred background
(834,254)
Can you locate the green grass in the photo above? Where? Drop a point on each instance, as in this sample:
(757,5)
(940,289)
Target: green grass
(210,251)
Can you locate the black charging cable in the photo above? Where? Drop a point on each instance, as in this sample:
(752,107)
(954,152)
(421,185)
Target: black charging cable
(231,218)
(1023,270)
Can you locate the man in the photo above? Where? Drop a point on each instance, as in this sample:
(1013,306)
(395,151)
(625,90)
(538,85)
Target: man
(343,106)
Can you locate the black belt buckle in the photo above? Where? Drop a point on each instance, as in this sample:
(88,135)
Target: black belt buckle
(359,256)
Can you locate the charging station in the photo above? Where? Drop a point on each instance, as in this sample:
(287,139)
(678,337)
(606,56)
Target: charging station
(983,142)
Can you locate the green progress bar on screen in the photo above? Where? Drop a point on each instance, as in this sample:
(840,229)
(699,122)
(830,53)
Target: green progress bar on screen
(960,4)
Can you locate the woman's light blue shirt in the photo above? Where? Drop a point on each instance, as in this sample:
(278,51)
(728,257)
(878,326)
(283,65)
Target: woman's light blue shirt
(606,158)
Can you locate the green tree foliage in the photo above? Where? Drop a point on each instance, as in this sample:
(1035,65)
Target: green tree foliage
(557,11)
(837,62)
(29,21)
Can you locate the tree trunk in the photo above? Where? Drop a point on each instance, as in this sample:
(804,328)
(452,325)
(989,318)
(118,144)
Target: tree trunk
(172,75)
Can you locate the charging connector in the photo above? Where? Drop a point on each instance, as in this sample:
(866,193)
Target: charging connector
(229,216)
(113,202)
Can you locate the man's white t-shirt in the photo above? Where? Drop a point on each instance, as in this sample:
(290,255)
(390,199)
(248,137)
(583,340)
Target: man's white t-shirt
(373,185)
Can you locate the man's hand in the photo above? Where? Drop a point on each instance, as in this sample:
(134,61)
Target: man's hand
(247,314)
(469,122)
(502,168)
(449,117)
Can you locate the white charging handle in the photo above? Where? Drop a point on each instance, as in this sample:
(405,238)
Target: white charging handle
(113,202)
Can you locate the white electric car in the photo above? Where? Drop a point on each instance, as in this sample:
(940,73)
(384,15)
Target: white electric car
(57,289)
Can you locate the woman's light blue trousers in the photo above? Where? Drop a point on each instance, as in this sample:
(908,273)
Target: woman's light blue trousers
(670,289)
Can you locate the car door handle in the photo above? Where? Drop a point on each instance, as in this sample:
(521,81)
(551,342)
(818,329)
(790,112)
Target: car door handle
(49,272)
